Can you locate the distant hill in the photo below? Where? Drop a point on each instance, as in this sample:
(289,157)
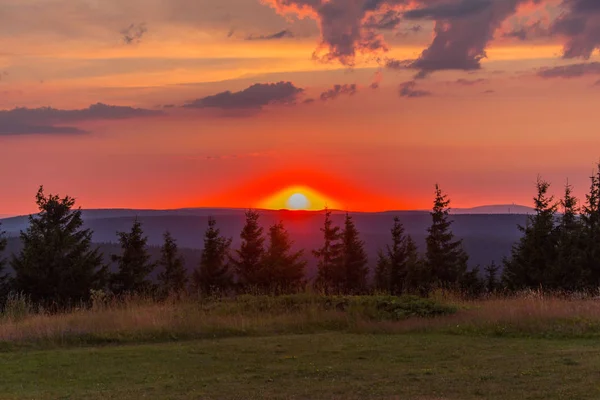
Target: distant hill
(495,209)
(488,236)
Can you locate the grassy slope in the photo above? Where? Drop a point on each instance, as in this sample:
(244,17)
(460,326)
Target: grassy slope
(324,366)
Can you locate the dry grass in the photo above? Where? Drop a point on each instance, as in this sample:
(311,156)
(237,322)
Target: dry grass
(140,320)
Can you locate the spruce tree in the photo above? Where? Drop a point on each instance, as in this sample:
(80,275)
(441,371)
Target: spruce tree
(133,263)
(213,274)
(445,257)
(173,277)
(491,277)
(248,263)
(354,269)
(399,258)
(57,265)
(382,272)
(329,257)
(591,232)
(568,268)
(4,277)
(530,265)
(283,267)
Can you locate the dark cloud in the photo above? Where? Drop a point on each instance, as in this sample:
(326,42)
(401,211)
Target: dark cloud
(388,21)
(570,71)
(347,28)
(338,90)
(278,35)
(462,37)
(580,25)
(526,32)
(470,82)
(133,33)
(253,97)
(409,89)
(460,9)
(377,79)
(47,120)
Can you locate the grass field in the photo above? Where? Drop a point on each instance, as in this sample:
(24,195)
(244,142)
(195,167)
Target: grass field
(306,347)
(314,366)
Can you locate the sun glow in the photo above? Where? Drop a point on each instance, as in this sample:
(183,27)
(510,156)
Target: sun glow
(298,198)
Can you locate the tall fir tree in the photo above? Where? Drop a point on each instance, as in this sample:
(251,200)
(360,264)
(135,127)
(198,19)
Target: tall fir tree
(173,276)
(530,265)
(283,267)
(491,277)
(4,277)
(400,258)
(248,261)
(568,268)
(354,262)
(213,274)
(590,217)
(446,260)
(57,265)
(329,257)
(134,263)
(382,272)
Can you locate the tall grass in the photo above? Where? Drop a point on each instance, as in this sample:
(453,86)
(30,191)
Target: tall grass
(139,319)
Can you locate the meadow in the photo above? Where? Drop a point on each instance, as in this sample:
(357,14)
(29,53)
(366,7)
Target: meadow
(305,346)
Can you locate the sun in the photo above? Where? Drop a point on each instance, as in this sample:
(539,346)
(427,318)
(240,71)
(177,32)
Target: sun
(298,198)
(298,201)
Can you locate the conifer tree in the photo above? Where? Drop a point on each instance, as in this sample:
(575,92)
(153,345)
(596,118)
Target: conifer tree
(491,277)
(283,267)
(354,269)
(400,258)
(248,263)
(445,257)
(4,277)
(213,274)
(532,257)
(568,268)
(134,263)
(57,265)
(591,232)
(329,257)
(382,272)
(173,277)
(471,284)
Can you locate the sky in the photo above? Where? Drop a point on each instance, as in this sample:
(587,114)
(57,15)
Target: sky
(361,105)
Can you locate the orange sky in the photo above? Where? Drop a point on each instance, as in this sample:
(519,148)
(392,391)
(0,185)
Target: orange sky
(483,134)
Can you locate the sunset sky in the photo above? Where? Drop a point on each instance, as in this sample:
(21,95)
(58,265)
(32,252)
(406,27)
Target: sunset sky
(360,104)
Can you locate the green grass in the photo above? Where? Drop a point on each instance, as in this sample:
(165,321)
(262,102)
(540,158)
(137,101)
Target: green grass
(313,366)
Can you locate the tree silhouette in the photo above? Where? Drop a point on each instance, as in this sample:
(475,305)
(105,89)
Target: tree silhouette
(57,265)
(284,268)
(248,263)
(329,257)
(213,274)
(591,231)
(354,269)
(532,257)
(491,277)
(4,277)
(134,263)
(173,277)
(445,257)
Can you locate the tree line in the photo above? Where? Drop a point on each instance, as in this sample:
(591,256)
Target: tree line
(59,266)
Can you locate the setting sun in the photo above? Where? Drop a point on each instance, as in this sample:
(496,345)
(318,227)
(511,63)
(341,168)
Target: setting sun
(298,198)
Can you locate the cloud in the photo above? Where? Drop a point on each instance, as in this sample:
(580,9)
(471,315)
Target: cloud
(570,71)
(470,82)
(463,30)
(408,89)
(460,9)
(279,35)
(580,25)
(253,97)
(529,31)
(338,90)
(47,120)
(134,33)
(347,27)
